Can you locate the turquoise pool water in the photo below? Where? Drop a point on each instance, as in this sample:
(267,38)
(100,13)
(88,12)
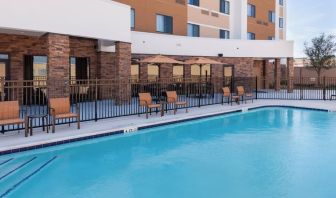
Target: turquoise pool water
(272,152)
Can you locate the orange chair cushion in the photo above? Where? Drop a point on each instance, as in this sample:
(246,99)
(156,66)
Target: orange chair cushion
(171,96)
(145,99)
(181,103)
(60,105)
(9,110)
(154,106)
(66,115)
(11,121)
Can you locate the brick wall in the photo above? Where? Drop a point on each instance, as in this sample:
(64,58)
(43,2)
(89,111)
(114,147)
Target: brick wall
(58,64)
(17,46)
(85,48)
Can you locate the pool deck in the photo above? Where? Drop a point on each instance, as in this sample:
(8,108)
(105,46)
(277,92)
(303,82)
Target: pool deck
(14,141)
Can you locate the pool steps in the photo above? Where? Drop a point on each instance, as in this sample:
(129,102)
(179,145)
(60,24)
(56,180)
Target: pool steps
(17,171)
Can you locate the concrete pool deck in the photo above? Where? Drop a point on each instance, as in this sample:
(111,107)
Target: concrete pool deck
(14,142)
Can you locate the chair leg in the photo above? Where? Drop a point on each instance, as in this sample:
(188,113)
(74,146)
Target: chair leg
(175,110)
(186,109)
(78,122)
(53,125)
(147,113)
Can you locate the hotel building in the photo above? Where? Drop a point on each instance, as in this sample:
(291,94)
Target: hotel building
(104,39)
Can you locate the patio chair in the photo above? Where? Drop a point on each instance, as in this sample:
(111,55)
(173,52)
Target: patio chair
(241,93)
(10,115)
(145,100)
(226,94)
(59,108)
(172,98)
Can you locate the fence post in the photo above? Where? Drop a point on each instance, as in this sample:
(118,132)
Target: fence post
(96,98)
(301,97)
(256,90)
(324,88)
(199,91)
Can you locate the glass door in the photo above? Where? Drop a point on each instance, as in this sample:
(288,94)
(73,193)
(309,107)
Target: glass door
(228,74)
(4,74)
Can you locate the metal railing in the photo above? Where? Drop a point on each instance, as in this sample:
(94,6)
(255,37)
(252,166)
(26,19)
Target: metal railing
(104,98)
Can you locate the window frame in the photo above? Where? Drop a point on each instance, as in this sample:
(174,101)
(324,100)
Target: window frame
(165,29)
(224,7)
(193,30)
(226,34)
(271,16)
(252,34)
(281,22)
(253,10)
(133,16)
(194,2)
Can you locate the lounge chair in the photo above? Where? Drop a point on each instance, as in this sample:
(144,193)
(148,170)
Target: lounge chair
(145,100)
(241,93)
(226,94)
(60,109)
(10,115)
(172,98)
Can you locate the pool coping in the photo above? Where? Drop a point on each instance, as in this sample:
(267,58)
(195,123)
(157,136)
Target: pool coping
(116,131)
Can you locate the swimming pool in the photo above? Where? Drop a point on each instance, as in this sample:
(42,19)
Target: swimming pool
(270,152)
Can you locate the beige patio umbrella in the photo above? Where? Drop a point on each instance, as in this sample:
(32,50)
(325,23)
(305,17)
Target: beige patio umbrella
(160,59)
(201,61)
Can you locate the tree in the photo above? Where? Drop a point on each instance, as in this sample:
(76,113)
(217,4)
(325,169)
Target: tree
(321,54)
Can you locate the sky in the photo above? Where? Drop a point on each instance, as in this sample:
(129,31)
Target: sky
(307,19)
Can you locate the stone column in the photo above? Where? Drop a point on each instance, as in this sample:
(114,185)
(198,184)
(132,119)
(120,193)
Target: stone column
(106,75)
(143,71)
(166,71)
(277,74)
(123,71)
(58,49)
(266,68)
(290,75)
(187,71)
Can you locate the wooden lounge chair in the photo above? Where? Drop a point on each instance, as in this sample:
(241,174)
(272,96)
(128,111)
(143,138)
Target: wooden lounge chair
(10,115)
(172,98)
(60,109)
(241,93)
(145,100)
(226,94)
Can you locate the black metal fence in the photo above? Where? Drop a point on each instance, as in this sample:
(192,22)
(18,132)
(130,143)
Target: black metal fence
(102,98)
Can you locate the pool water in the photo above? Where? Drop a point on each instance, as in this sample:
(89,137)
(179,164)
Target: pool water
(271,152)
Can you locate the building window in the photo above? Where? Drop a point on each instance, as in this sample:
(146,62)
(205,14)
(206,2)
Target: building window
(250,36)
(271,38)
(79,69)
(135,73)
(224,7)
(193,30)
(251,10)
(271,16)
(164,24)
(281,23)
(4,59)
(35,67)
(281,2)
(132,18)
(194,2)
(178,71)
(203,71)
(153,72)
(224,34)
